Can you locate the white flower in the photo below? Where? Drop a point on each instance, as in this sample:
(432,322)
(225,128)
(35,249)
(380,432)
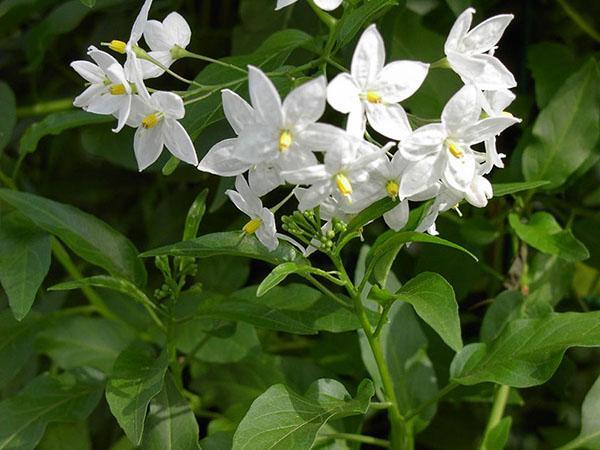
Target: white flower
(262,220)
(470,53)
(156,118)
(443,151)
(375,89)
(163,38)
(346,164)
(109,92)
(494,103)
(327,5)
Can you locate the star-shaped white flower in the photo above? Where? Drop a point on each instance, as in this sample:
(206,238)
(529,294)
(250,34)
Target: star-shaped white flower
(262,220)
(494,103)
(375,89)
(327,5)
(109,92)
(470,53)
(443,151)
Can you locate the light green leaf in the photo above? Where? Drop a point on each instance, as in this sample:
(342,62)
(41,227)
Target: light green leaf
(545,234)
(63,398)
(497,437)
(87,236)
(79,341)
(66,436)
(16,344)
(374,211)
(502,189)
(566,131)
(278,274)
(229,243)
(54,124)
(24,261)
(171,424)
(195,215)
(282,419)
(589,437)
(8,112)
(434,302)
(527,351)
(137,377)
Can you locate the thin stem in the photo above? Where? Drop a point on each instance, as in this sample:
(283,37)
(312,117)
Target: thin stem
(143,55)
(327,19)
(436,398)
(580,21)
(43,108)
(378,406)
(326,291)
(382,319)
(183,53)
(358,438)
(497,412)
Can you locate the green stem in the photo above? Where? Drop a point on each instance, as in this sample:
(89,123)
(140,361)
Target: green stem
(436,398)
(142,54)
(43,108)
(327,19)
(180,52)
(326,291)
(497,412)
(7,181)
(580,21)
(357,438)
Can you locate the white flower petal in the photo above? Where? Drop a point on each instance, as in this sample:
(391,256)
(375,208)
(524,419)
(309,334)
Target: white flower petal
(221,160)
(250,197)
(178,142)
(123,112)
(267,231)
(319,137)
(495,75)
(238,112)
(485,129)
(421,176)
(104,104)
(265,98)
(343,94)
(89,71)
(497,101)
(256,144)
(147,145)
(85,98)
(397,217)
(170,104)
(357,122)
(459,30)
(157,38)
(102,59)
(462,109)
(305,104)
(423,141)
(486,35)
(263,179)
(459,172)
(283,3)
(368,58)
(389,120)
(479,192)
(240,203)
(314,195)
(492,157)
(140,22)
(399,80)
(178,28)
(151,70)
(328,5)
(306,175)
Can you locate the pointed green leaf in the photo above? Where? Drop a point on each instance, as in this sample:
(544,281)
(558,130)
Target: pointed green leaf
(589,437)
(277,275)
(87,236)
(24,261)
(137,377)
(8,112)
(282,419)
(502,189)
(16,344)
(497,437)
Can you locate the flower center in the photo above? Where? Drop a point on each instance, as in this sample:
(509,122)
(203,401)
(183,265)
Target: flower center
(150,121)
(392,188)
(285,140)
(252,226)
(343,184)
(373,97)
(454,150)
(118,46)
(117,89)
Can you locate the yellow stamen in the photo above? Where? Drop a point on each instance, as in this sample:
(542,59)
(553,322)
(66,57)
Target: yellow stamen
(285,140)
(150,121)
(118,46)
(252,226)
(343,184)
(117,89)
(392,188)
(456,152)
(373,97)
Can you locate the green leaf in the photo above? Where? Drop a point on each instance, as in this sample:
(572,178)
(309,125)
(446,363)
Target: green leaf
(294,308)
(63,398)
(545,234)
(497,437)
(566,131)
(374,211)
(195,215)
(66,436)
(87,236)
(89,3)
(55,124)
(171,424)
(502,189)
(282,419)
(137,377)
(8,112)
(527,351)
(229,243)
(278,274)
(24,261)
(589,437)
(434,302)
(504,309)
(79,341)
(16,344)
(350,24)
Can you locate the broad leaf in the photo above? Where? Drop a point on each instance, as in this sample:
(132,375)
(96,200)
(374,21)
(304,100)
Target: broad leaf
(83,341)
(66,436)
(87,236)
(229,243)
(545,234)
(527,351)
(351,23)
(566,131)
(589,437)
(278,274)
(16,344)
(63,398)
(8,112)
(434,302)
(501,189)
(282,419)
(137,377)
(171,424)
(24,261)
(497,437)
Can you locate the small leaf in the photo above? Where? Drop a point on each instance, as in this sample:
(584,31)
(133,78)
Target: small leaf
(229,243)
(527,351)
(194,216)
(545,234)
(351,23)
(434,302)
(282,419)
(137,377)
(277,275)
(47,399)
(87,236)
(24,261)
(8,112)
(497,437)
(502,189)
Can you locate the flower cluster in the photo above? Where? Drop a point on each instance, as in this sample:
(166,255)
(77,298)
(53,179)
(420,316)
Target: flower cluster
(343,171)
(336,173)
